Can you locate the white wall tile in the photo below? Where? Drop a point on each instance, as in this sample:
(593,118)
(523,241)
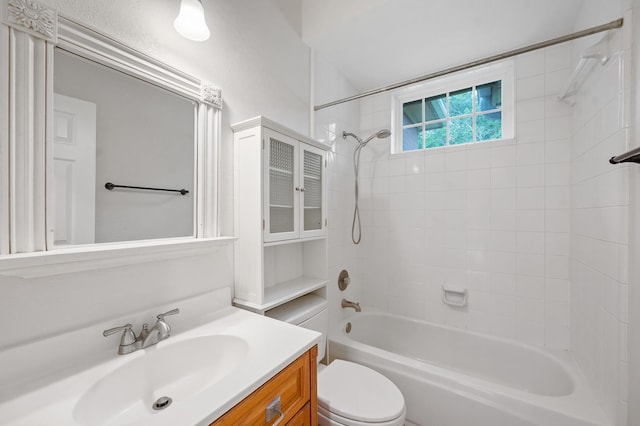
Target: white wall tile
(503,155)
(531,153)
(531,198)
(557,197)
(434,162)
(531,264)
(532,242)
(532,220)
(503,241)
(557,57)
(415,163)
(530,287)
(531,176)
(530,87)
(555,81)
(504,199)
(397,166)
(556,220)
(557,174)
(478,157)
(504,177)
(503,219)
(556,289)
(530,110)
(455,160)
(557,151)
(530,64)
(530,131)
(478,179)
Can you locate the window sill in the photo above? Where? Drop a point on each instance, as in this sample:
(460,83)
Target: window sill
(87,258)
(460,147)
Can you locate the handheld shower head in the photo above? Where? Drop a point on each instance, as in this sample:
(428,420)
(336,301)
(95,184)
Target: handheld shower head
(384,133)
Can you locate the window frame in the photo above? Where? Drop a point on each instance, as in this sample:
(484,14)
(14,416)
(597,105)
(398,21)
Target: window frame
(503,71)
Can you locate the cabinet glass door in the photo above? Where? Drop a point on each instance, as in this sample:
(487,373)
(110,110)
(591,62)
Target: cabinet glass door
(281,221)
(312,191)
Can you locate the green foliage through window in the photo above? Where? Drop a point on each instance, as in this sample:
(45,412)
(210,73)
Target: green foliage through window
(472,114)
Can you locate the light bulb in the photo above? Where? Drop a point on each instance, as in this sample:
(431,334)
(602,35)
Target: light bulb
(190,22)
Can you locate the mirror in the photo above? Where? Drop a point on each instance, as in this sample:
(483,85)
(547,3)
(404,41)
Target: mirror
(113,128)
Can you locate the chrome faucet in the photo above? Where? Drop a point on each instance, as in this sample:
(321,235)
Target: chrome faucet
(130,343)
(349,304)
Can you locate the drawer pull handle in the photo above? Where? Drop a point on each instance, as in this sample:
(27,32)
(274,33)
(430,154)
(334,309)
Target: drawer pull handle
(274,409)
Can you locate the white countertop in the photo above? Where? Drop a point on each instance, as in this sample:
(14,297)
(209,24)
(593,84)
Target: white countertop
(272,346)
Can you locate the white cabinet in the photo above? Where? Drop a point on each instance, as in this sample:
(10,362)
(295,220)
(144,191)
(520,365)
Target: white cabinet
(293,188)
(280,222)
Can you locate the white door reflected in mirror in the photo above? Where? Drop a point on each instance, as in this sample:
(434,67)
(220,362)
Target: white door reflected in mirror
(74,169)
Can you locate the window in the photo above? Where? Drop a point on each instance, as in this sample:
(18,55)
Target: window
(476,106)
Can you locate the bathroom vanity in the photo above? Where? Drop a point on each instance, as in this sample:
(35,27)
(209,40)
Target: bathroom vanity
(225,371)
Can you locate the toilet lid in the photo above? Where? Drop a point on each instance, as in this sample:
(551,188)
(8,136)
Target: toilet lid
(359,393)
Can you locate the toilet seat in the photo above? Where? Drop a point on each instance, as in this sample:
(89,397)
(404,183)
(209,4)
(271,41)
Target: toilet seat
(355,395)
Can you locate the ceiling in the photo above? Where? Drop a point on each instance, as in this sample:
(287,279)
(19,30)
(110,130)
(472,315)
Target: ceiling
(375,43)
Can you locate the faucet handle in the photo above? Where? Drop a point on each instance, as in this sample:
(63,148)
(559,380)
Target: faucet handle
(128,337)
(166,314)
(164,329)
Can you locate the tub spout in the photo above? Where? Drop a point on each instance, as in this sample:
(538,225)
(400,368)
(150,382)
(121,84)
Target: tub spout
(349,304)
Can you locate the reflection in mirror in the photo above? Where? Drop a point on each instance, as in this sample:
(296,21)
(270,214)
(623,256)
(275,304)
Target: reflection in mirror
(112,127)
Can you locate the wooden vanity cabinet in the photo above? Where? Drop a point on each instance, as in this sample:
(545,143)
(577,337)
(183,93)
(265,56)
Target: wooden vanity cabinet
(297,388)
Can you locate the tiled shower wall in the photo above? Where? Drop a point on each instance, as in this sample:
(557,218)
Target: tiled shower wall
(492,217)
(600,205)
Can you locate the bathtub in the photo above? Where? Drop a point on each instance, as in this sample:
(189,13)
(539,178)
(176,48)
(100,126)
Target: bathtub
(452,377)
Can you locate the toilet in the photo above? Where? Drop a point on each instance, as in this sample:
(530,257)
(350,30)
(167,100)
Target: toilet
(349,394)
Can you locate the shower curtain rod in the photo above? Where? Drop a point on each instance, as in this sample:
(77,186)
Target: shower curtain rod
(579,34)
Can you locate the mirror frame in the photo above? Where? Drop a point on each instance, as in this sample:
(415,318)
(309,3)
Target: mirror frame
(29,32)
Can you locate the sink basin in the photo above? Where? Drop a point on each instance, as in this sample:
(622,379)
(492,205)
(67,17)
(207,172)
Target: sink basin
(176,370)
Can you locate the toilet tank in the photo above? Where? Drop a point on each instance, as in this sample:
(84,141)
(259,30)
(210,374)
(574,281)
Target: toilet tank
(309,311)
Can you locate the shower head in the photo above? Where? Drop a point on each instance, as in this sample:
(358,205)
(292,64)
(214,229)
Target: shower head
(384,133)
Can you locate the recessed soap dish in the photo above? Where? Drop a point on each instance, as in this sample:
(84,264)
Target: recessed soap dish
(456,297)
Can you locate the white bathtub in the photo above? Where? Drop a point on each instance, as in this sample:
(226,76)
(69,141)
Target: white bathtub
(451,377)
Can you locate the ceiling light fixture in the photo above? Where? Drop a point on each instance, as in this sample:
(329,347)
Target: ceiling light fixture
(190,22)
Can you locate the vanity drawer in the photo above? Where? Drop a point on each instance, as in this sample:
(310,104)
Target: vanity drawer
(292,385)
(302,418)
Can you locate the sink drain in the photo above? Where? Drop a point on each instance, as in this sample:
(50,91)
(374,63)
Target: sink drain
(162,403)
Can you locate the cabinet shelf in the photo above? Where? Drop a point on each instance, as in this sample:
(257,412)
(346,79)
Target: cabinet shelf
(283,292)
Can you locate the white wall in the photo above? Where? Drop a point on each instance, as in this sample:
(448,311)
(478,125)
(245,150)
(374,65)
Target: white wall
(256,56)
(600,208)
(492,217)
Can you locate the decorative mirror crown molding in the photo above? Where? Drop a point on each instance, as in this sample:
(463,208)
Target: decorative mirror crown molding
(211,94)
(31,17)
